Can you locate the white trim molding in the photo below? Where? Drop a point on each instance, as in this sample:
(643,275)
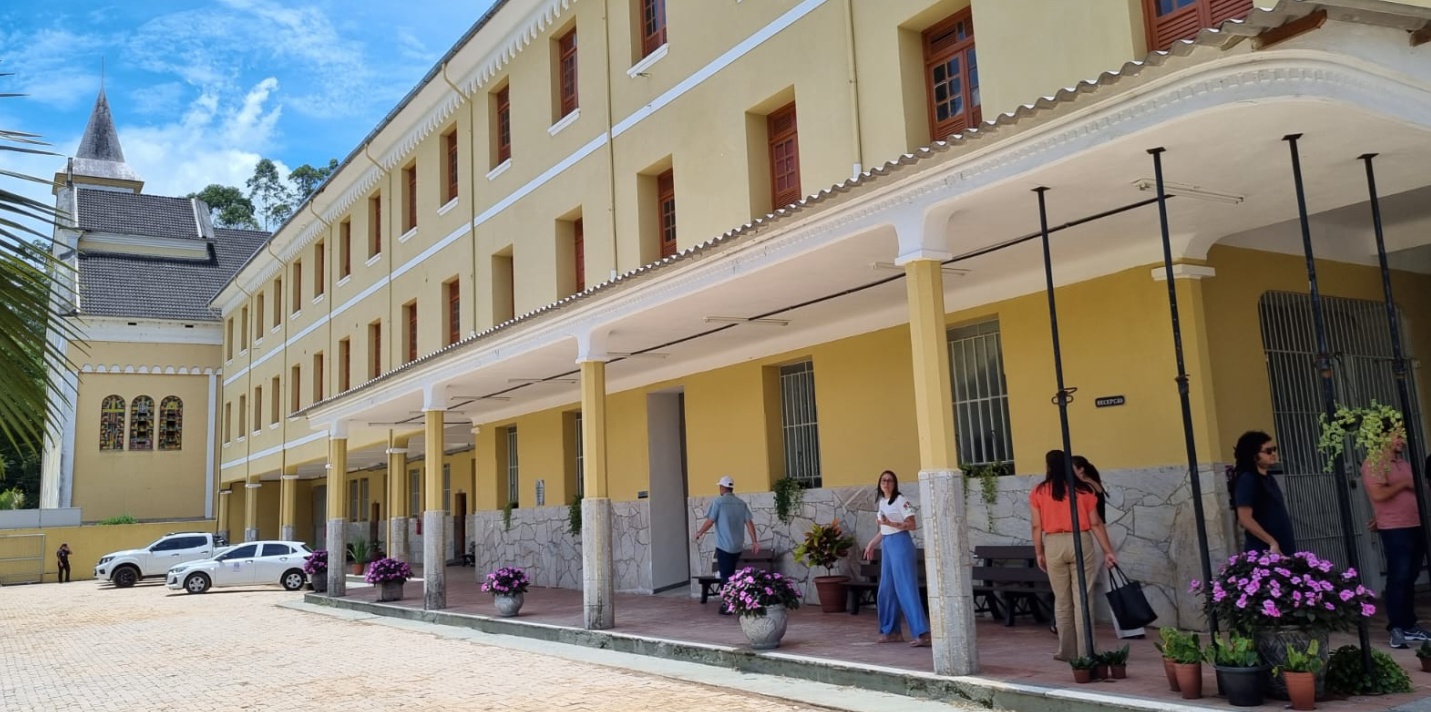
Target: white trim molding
(500,169)
(655,56)
(1184,271)
(564,122)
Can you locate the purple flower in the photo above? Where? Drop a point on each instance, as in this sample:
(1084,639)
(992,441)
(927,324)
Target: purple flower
(1269,608)
(1368,610)
(1195,586)
(1242,601)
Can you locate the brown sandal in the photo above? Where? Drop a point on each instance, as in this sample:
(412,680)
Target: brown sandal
(921,642)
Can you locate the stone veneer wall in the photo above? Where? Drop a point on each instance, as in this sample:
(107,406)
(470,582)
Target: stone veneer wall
(540,542)
(362,530)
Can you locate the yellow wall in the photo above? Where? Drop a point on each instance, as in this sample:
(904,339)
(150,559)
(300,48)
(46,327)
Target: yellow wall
(87,544)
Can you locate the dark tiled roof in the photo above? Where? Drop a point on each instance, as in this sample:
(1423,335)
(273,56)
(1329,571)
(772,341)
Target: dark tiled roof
(125,213)
(149,287)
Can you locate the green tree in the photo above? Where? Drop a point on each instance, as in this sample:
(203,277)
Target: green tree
(272,199)
(306,179)
(228,206)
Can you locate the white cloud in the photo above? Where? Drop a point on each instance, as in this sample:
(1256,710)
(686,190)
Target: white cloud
(43,63)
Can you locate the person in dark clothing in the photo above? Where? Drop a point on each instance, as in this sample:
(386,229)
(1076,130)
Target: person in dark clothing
(1261,508)
(62,556)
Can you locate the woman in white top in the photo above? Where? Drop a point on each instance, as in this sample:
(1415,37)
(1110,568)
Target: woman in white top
(898,568)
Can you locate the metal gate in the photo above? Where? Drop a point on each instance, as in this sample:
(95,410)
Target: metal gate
(22,558)
(1360,345)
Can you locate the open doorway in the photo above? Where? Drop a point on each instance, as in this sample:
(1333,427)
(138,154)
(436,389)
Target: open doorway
(670,527)
(320,516)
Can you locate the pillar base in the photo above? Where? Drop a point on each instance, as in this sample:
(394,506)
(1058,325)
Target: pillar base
(434,560)
(285,532)
(250,535)
(397,539)
(598,581)
(947,567)
(337,558)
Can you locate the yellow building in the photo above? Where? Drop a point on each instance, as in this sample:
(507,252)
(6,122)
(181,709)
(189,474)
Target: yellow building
(624,247)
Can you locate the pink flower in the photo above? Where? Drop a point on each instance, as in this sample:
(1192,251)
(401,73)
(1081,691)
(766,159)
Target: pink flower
(1368,610)
(1242,601)
(1269,608)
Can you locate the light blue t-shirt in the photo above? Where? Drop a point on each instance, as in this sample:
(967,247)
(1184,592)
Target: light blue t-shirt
(730,514)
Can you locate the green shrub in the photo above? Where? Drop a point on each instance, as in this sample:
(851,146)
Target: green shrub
(121,519)
(1344,674)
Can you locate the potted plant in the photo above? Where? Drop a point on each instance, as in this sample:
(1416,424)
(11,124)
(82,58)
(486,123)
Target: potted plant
(1280,600)
(388,575)
(1186,652)
(1423,653)
(1239,669)
(1083,668)
(1168,635)
(763,601)
(1100,665)
(1300,674)
(1117,662)
(358,552)
(315,565)
(508,586)
(824,546)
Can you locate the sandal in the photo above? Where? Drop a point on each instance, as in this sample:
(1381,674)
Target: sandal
(892,638)
(920,642)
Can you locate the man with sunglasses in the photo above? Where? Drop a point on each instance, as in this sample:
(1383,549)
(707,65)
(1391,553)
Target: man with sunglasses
(1261,508)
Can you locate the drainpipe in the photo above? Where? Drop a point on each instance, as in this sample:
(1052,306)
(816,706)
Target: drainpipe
(610,144)
(471,187)
(382,173)
(857,147)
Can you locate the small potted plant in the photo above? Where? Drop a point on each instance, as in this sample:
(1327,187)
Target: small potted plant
(825,546)
(1239,669)
(1100,665)
(358,553)
(1083,668)
(508,586)
(1168,635)
(1423,653)
(315,565)
(1186,652)
(1300,672)
(1117,662)
(763,601)
(388,575)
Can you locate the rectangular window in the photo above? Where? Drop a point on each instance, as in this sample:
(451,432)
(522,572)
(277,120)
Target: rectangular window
(317,377)
(257,408)
(504,291)
(345,365)
(1171,20)
(242,414)
(784,157)
(375,349)
(278,301)
(414,491)
(653,25)
(258,312)
(578,252)
(666,211)
(297,286)
(502,111)
(513,481)
(409,326)
(319,268)
(798,423)
(228,421)
(375,226)
(580,459)
(243,330)
(566,72)
(951,76)
(345,248)
(449,166)
(981,396)
(276,400)
(229,342)
(295,394)
(409,198)
(454,312)
(447,487)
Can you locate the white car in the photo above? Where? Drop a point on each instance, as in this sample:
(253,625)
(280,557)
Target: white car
(249,564)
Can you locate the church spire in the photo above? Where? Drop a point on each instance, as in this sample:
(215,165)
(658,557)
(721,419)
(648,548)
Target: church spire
(100,156)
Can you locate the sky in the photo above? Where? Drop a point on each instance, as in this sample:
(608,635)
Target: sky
(201,89)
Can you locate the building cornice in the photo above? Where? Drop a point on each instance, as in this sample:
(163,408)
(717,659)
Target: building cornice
(147,331)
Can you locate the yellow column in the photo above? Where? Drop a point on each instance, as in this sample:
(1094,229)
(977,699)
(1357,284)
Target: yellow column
(337,524)
(434,516)
(397,498)
(597,570)
(593,428)
(250,508)
(288,503)
(223,523)
(933,395)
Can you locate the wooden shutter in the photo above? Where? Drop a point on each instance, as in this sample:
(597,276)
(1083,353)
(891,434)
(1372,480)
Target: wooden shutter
(653,25)
(1173,20)
(504,125)
(450,149)
(784,157)
(578,249)
(666,211)
(951,76)
(566,51)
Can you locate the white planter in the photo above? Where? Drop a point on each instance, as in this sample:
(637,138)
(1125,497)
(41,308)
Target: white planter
(764,632)
(507,604)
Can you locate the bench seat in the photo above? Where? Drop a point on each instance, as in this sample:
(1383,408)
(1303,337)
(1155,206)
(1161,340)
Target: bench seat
(710,585)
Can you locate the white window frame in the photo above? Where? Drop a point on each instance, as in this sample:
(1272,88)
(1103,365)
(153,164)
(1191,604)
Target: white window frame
(799,423)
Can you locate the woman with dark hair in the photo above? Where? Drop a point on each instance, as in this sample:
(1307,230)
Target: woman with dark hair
(1088,475)
(1053,533)
(1261,508)
(898,566)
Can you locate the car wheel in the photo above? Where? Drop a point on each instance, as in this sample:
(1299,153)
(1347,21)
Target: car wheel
(196,583)
(292,580)
(125,576)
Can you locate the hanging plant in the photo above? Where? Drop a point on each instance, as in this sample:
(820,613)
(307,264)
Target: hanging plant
(1372,430)
(988,476)
(573,515)
(507,516)
(789,495)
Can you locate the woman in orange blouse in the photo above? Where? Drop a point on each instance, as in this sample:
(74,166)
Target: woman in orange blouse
(1053,544)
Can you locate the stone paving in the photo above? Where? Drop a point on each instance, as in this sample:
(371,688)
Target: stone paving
(87,646)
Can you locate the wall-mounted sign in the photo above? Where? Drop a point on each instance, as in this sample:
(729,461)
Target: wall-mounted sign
(1109,401)
(541,492)
(643,494)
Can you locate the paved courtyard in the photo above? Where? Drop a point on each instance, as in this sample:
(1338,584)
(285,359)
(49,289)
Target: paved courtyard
(87,646)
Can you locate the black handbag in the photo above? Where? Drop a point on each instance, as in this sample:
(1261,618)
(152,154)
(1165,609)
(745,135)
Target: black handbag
(1125,597)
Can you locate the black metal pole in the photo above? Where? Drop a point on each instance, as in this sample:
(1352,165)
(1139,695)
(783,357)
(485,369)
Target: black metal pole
(1329,392)
(1063,425)
(1398,357)
(1194,480)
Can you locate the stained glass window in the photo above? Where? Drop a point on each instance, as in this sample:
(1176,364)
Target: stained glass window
(141,423)
(171,424)
(111,424)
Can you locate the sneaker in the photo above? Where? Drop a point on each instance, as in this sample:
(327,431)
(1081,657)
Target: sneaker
(1415,634)
(1398,638)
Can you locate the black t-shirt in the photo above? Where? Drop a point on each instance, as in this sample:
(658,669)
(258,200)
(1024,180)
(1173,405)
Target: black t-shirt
(1269,508)
(63,555)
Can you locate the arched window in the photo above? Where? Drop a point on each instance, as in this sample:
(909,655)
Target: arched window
(141,424)
(111,423)
(171,424)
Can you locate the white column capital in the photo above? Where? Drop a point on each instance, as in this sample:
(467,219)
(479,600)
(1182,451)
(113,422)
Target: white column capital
(922,235)
(434,397)
(591,344)
(253,485)
(290,477)
(338,430)
(1183,271)
(397,451)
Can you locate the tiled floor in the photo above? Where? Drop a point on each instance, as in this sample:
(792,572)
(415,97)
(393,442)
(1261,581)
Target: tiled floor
(1023,653)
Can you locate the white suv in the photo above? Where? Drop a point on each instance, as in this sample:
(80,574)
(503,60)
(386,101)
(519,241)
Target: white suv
(129,566)
(248,564)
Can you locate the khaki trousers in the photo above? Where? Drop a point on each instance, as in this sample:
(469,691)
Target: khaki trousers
(1063,577)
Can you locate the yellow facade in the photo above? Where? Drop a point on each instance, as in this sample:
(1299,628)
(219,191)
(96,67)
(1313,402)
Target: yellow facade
(87,544)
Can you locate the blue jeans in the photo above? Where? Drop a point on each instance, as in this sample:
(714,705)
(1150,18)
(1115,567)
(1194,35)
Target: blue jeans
(1405,551)
(899,586)
(725,568)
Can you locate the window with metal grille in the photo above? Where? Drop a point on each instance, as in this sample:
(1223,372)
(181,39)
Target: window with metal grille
(317,377)
(111,423)
(410,326)
(449,150)
(666,211)
(798,423)
(784,157)
(171,423)
(454,312)
(981,395)
(514,487)
(566,71)
(141,423)
(345,248)
(375,349)
(375,226)
(653,25)
(580,458)
(297,286)
(447,487)
(951,76)
(578,253)
(502,108)
(409,197)
(414,485)
(1171,20)
(320,265)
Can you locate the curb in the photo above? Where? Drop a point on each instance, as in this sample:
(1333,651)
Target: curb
(974,690)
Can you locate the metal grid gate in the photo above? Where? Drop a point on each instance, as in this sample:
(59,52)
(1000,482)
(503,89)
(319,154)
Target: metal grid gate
(799,424)
(22,558)
(1360,345)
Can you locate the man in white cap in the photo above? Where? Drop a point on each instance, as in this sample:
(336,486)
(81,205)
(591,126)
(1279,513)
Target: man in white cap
(731,518)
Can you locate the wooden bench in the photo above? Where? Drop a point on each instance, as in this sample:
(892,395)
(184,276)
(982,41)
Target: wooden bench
(710,585)
(864,592)
(1009,584)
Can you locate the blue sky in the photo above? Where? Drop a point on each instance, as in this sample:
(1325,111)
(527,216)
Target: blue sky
(201,90)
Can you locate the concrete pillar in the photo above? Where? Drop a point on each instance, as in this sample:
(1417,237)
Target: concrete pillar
(222,528)
(337,543)
(598,580)
(288,504)
(434,515)
(941,485)
(250,508)
(397,498)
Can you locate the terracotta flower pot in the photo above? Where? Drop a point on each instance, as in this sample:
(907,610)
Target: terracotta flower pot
(1082,676)
(1425,664)
(1100,672)
(1302,688)
(1119,672)
(1189,680)
(1171,673)
(831,590)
